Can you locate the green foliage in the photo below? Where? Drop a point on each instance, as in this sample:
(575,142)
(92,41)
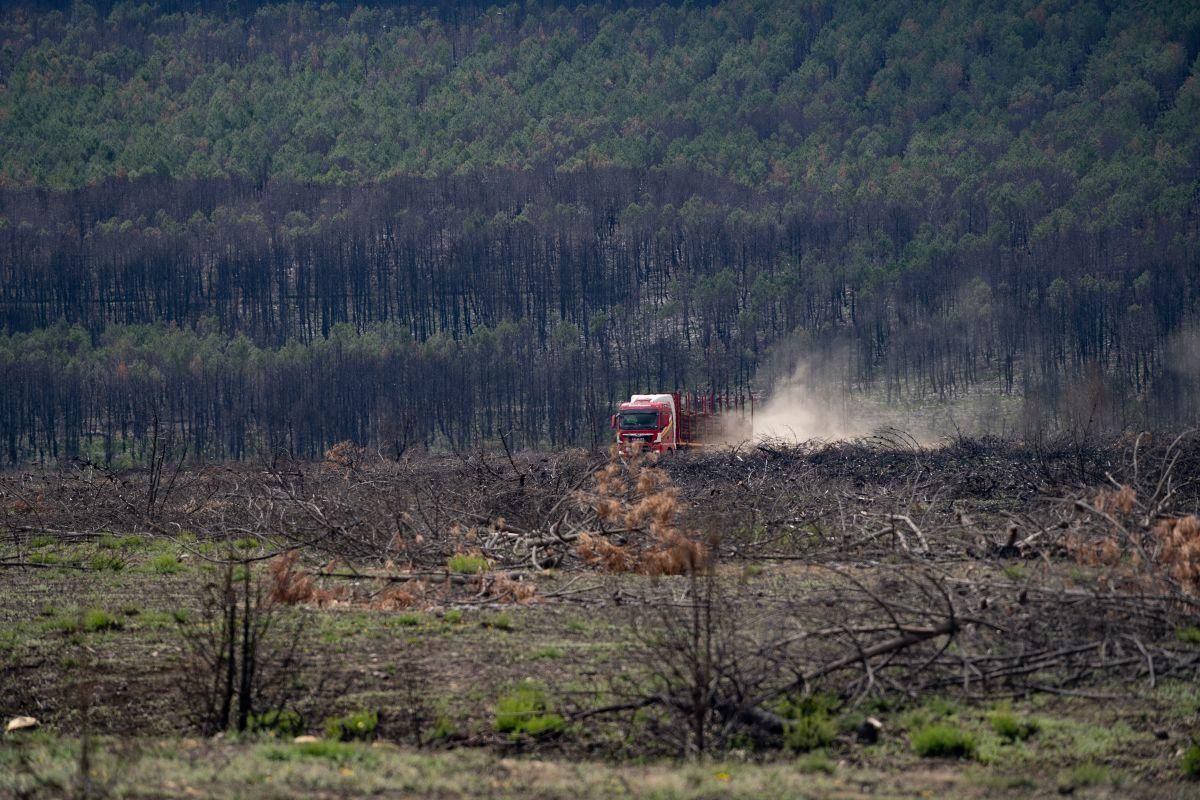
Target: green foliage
(95,619)
(586,86)
(1189,634)
(453,616)
(90,620)
(105,561)
(943,741)
(810,724)
(277,723)
(501,621)
(109,542)
(1008,726)
(164,564)
(356,726)
(325,749)
(1190,763)
(1083,775)
(809,733)
(468,564)
(443,730)
(525,710)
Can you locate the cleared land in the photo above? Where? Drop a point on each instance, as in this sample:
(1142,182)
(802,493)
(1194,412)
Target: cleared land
(1017,619)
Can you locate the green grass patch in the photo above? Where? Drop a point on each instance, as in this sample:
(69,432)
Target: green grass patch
(1009,726)
(41,540)
(815,762)
(91,620)
(1190,763)
(502,621)
(809,733)
(107,562)
(339,753)
(95,620)
(525,710)
(943,741)
(1189,634)
(468,564)
(443,730)
(1015,572)
(164,564)
(810,724)
(1087,740)
(453,616)
(10,640)
(1081,776)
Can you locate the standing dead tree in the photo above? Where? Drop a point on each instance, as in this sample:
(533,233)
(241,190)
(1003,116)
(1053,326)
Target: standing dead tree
(242,655)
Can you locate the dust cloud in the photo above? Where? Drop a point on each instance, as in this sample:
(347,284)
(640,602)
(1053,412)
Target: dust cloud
(810,397)
(798,409)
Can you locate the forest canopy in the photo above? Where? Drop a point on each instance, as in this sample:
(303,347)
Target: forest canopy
(613,197)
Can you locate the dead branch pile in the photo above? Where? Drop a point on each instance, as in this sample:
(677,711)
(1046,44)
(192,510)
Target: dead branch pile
(720,666)
(816,503)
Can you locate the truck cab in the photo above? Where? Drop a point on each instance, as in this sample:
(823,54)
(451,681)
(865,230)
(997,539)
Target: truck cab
(648,422)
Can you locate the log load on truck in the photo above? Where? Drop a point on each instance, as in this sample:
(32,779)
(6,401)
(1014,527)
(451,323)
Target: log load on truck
(662,422)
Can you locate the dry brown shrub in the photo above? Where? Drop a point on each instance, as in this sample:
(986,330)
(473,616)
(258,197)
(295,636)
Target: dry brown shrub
(22,506)
(641,498)
(650,479)
(1108,551)
(608,480)
(1180,541)
(214,505)
(1096,551)
(608,509)
(597,551)
(338,595)
(504,589)
(1122,501)
(397,598)
(659,508)
(290,583)
(677,554)
(345,455)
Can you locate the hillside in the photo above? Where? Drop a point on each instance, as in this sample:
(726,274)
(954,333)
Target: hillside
(933,197)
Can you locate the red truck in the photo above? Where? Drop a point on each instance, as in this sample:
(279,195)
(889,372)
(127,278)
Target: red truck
(662,422)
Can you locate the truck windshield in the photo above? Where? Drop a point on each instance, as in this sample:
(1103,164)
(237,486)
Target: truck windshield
(638,420)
